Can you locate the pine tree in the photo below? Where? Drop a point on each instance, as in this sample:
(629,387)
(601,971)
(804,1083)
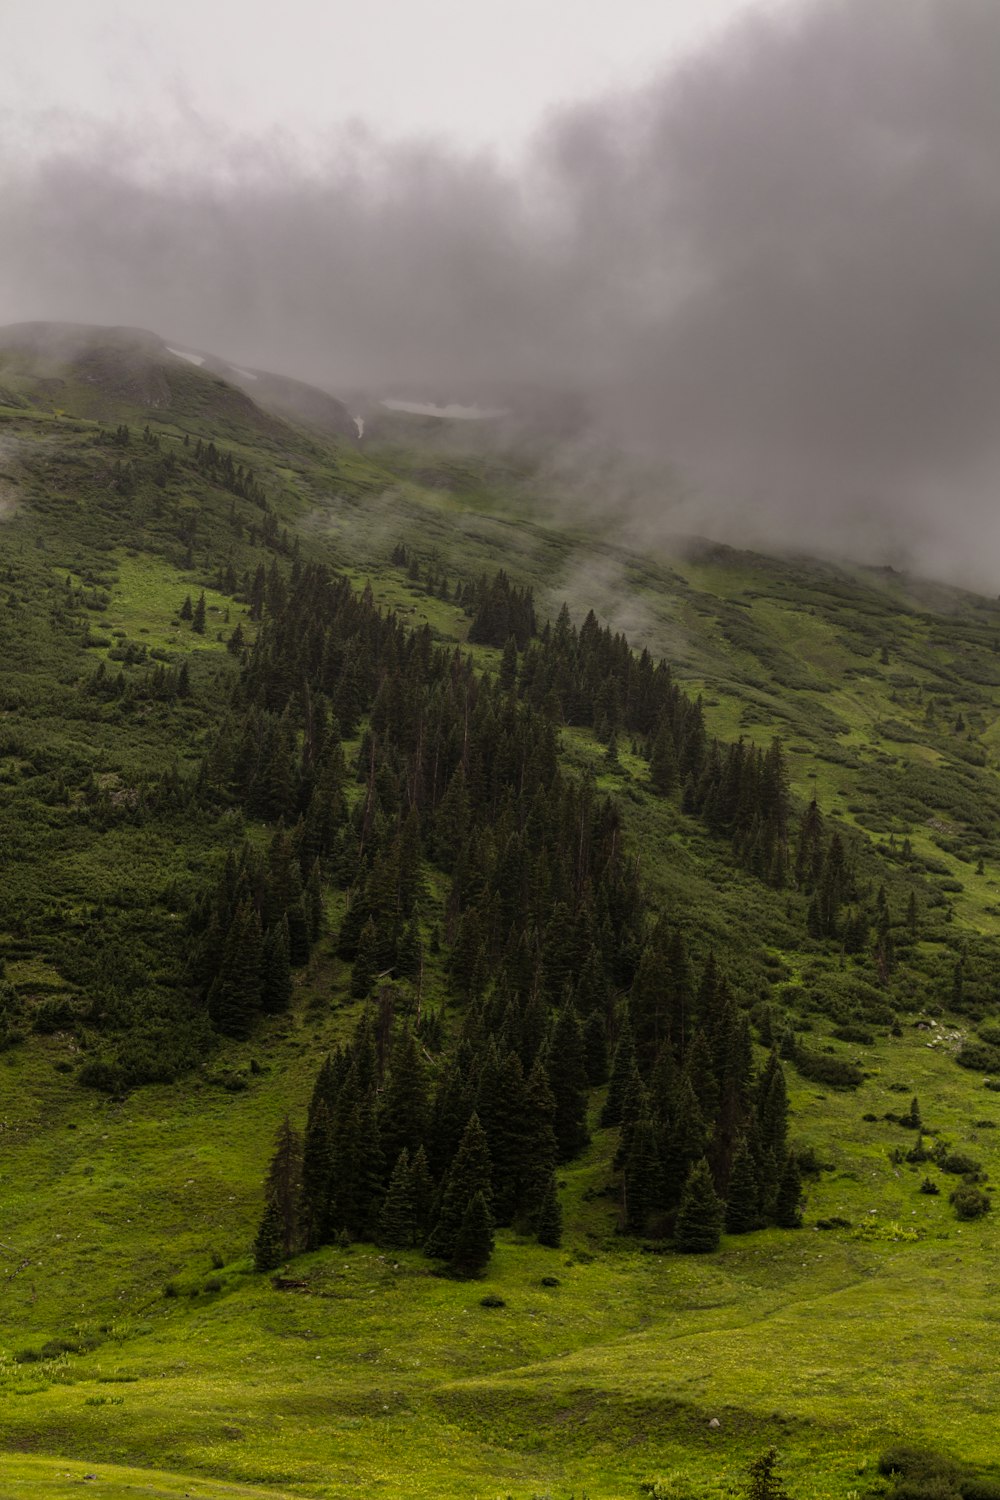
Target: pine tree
(397,1220)
(404,1107)
(198,617)
(700,1217)
(743,1194)
(276,974)
(234,997)
(268,1247)
(316,1206)
(549,1219)
(663,773)
(282,1187)
(622,1070)
(365,967)
(640,1177)
(567,1072)
(788,1205)
(474,1241)
(764,1482)
(421,1194)
(470,1173)
(595,1049)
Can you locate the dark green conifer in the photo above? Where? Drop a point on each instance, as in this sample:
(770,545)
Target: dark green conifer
(788,1204)
(422,1193)
(595,1047)
(641,1177)
(772,1107)
(474,1242)
(684,1140)
(623,1070)
(567,1073)
(397,1219)
(282,1189)
(549,1219)
(198,616)
(276,974)
(470,1173)
(743,1193)
(700,1217)
(268,1247)
(234,997)
(316,1208)
(404,1106)
(663,771)
(365,967)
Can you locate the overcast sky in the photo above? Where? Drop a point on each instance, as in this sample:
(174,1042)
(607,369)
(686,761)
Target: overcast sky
(761,241)
(482,75)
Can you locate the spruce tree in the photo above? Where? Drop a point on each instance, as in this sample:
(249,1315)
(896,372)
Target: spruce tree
(276,974)
(421,1194)
(316,1206)
(234,997)
(743,1193)
(474,1241)
(549,1219)
(268,1247)
(567,1073)
(540,1139)
(470,1173)
(198,616)
(764,1481)
(622,1071)
(403,1113)
(282,1186)
(641,1177)
(788,1204)
(663,772)
(365,967)
(700,1217)
(396,1223)
(595,1049)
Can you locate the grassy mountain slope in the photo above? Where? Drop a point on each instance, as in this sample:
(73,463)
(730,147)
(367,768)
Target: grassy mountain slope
(139,1346)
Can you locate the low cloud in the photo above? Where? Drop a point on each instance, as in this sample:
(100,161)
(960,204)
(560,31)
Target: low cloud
(775,270)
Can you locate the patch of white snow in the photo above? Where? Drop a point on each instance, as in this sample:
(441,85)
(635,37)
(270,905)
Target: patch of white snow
(247,374)
(452,410)
(194,359)
(359,423)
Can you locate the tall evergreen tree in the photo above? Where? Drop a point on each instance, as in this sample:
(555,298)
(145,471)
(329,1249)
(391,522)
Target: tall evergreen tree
(567,1073)
(473,1245)
(268,1247)
(743,1193)
(397,1219)
(788,1204)
(549,1219)
(469,1174)
(276,974)
(282,1185)
(234,997)
(700,1217)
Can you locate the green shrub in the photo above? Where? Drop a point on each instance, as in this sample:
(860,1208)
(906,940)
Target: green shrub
(835,1072)
(969,1201)
(958,1164)
(979,1056)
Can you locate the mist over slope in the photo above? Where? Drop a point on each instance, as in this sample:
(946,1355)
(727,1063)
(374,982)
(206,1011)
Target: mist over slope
(774,267)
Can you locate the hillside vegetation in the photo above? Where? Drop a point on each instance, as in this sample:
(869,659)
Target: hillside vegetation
(483,1011)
